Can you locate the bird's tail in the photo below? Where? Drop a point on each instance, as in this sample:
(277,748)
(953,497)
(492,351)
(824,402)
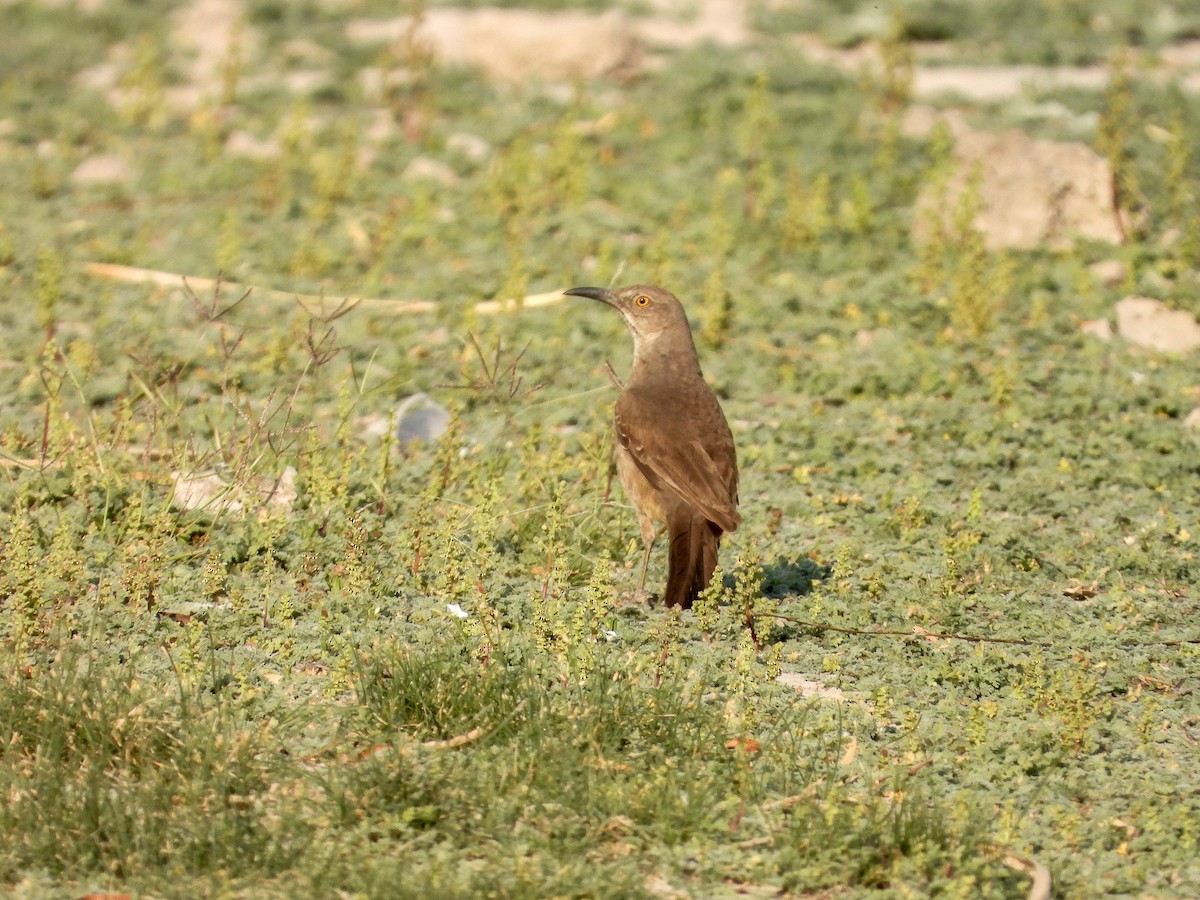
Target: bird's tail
(692,557)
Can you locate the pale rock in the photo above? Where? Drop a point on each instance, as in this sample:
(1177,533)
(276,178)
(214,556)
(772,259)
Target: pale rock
(469,146)
(1192,420)
(990,84)
(102,77)
(1149,323)
(1032,193)
(179,99)
(1109,272)
(305,82)
(721,23)
(1101,329)
(1184,55)
(206,32)
(102,169)
(515,44)
(244,144)
(213,494)
(807,687)
(423,168)
(304,50)
(381,128)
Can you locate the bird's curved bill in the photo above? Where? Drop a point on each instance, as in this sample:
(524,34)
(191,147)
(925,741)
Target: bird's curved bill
(592,293)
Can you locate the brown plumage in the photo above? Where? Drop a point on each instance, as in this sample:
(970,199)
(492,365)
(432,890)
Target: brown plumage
(674,451)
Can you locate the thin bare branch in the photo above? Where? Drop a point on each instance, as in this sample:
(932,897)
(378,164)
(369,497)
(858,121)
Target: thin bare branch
(317,305)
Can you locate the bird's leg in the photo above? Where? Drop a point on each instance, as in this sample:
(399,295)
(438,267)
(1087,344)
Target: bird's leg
(612,471)
(649,536)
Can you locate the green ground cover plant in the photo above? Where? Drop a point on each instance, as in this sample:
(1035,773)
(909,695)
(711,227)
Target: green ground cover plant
(970,529)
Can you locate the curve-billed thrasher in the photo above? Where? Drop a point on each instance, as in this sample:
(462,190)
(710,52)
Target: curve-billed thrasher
(673,447)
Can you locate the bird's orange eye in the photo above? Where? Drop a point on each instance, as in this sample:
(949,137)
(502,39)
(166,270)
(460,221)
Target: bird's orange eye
(642,300)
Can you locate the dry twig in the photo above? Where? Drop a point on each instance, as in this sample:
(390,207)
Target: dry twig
(322,305)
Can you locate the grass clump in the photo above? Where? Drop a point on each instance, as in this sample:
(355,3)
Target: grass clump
(110,778)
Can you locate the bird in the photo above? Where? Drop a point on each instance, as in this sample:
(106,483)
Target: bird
(674,451)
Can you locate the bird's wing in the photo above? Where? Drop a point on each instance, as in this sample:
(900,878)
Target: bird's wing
(685,466)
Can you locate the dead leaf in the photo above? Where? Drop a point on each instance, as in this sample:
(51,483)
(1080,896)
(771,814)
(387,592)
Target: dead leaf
(850,753)
(1080,591)
(746,745)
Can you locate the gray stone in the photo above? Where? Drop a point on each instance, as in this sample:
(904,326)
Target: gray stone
(420,418)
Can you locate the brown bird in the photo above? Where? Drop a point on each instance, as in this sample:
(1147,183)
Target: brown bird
(674,450)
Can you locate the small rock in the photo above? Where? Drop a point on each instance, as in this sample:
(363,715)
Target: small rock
(721,23)
(213,494)
(992,84)
(1032,192)
(381,128)
(420,418)
(1110,272)
(1149,323)
(103,169)
(376,31)
(370,80)
(180,99)
(306,81)
(1192,420)
(243,143)
(101,77)
(515,44)
(422,168)
(918,121)
(304,50)
(1098,328)
(471,146)
(808,688)
(204,33)
(372,426)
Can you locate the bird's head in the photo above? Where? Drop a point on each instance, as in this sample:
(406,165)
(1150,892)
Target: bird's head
(650,312)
